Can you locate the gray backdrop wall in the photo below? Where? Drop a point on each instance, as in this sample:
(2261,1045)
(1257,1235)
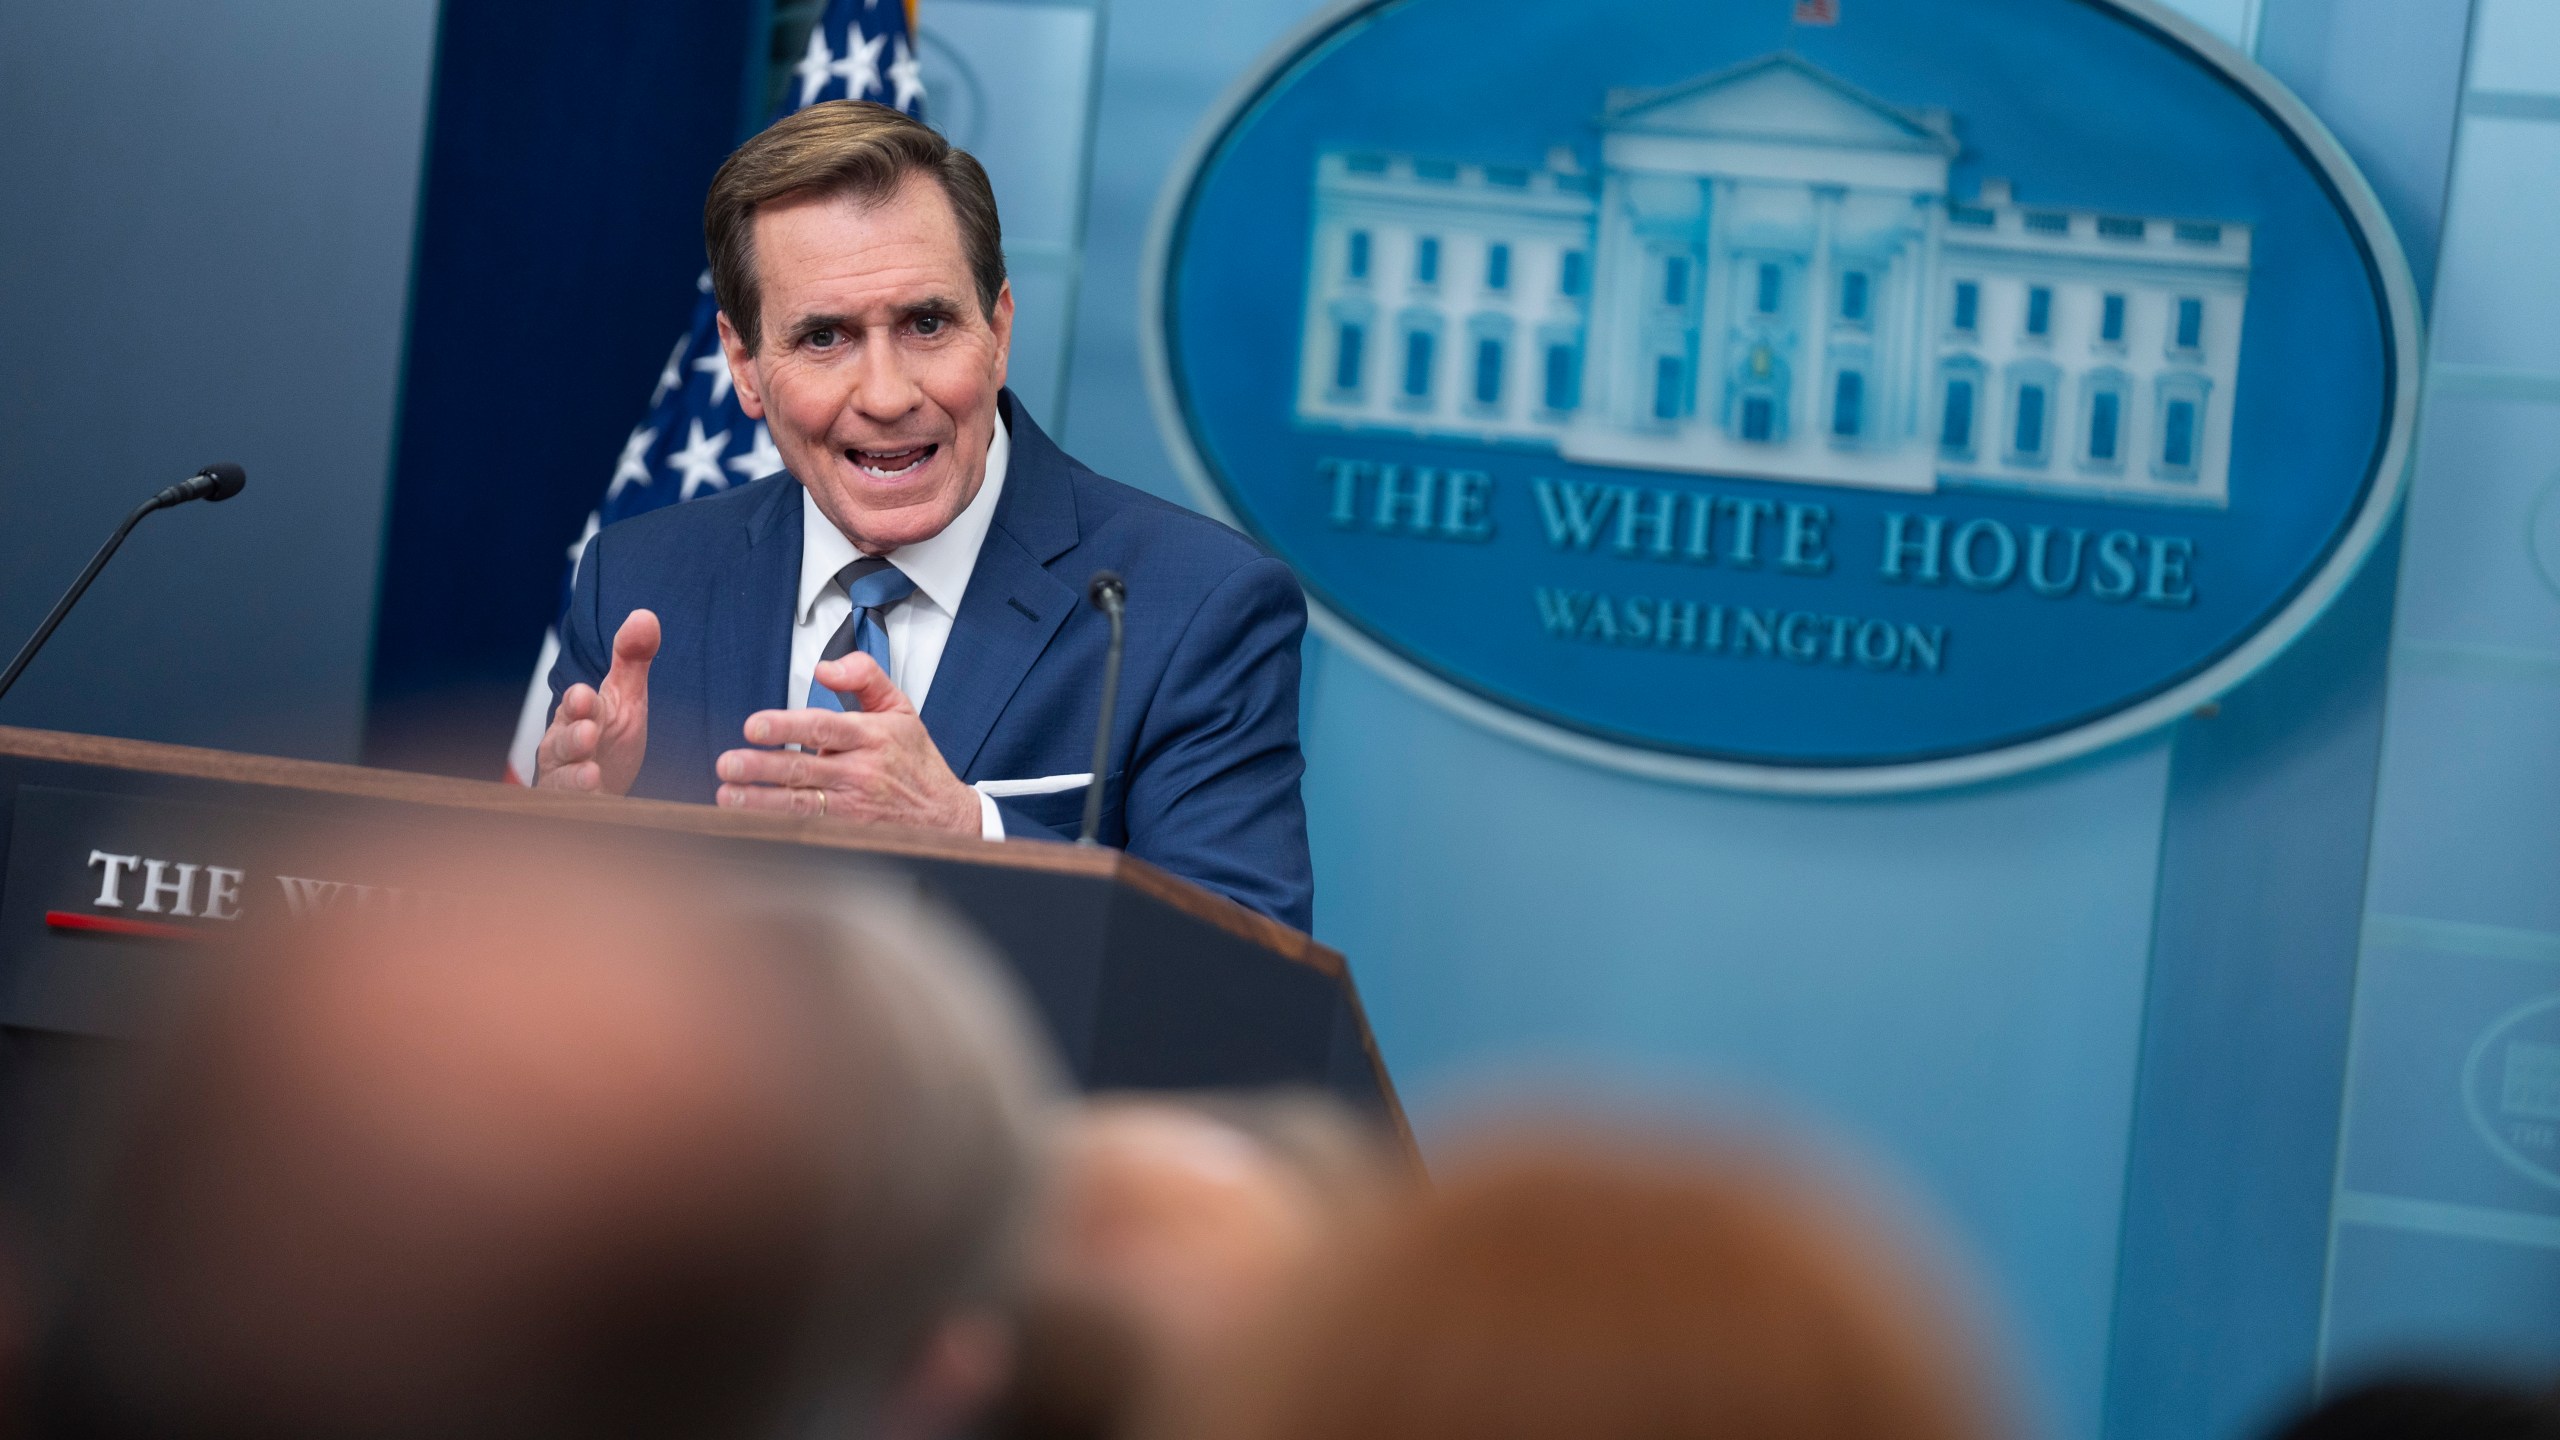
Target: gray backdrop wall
(204,254)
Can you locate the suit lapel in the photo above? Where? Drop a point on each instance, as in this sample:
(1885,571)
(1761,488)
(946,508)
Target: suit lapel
(747,637)
(1014,605)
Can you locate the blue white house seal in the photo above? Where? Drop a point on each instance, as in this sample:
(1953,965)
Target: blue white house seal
(1856,406)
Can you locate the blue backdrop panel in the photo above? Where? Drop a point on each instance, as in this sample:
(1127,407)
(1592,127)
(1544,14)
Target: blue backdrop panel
(2262,870)
(2244,1037)
(558,244)
(1952,984)
(2408,1294)
(2447,1214)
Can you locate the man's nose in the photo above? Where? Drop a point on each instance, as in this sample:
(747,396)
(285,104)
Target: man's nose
(883,390)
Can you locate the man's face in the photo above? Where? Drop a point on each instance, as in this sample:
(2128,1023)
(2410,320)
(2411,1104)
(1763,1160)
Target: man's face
(877,372)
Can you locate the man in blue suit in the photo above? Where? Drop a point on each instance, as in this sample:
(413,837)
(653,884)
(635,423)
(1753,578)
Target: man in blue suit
(894,631)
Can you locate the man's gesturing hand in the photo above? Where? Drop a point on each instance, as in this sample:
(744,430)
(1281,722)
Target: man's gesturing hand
(599,735)
(875,765)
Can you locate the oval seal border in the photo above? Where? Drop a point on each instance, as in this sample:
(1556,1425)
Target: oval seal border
(2472,1062)
(2385,482)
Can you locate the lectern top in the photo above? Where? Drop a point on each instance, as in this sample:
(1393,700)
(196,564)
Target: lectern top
(319,777)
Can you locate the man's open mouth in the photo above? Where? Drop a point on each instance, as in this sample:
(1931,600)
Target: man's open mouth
(891,464)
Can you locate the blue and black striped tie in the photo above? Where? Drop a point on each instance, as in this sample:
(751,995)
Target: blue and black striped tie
(873,585)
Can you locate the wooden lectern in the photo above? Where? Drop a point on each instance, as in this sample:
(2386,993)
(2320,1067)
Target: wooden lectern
(120,852)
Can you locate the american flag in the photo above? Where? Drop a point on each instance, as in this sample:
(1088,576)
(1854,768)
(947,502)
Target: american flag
(695,440)
(1817,12)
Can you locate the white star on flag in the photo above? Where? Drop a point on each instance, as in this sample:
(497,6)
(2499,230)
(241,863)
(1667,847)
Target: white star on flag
(716,365)
(760,461)
(633,467)
(673,375)
(860,66)
(578,550)
(816,67)
(906,75)
(700,462)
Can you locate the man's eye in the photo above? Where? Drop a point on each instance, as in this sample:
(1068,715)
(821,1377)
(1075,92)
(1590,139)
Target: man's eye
(824,336)
(929,324)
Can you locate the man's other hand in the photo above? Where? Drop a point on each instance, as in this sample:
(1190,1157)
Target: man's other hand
(875,765)
(600,734)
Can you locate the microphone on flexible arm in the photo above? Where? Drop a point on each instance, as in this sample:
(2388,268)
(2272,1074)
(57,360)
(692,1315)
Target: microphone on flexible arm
(213,482)
(1106,592)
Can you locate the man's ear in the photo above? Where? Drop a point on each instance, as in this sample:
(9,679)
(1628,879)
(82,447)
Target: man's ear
(957,1374)
(1000,320)
(742,367)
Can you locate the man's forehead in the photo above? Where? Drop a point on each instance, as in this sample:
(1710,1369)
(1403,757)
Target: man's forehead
(906,241)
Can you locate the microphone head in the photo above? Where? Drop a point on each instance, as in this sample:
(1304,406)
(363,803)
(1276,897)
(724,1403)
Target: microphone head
(227,480)
(1105,589)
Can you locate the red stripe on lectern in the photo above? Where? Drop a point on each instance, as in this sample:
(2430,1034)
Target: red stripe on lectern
(111,925)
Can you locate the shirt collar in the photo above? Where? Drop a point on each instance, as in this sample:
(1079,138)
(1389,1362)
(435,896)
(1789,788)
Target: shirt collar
(939,564)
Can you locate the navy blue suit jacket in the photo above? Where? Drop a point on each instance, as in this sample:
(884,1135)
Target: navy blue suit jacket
(1204,753)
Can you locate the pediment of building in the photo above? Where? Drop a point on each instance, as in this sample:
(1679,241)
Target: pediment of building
(1779,98)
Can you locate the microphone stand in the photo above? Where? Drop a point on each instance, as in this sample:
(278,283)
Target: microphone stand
(1107,593)
(206,485)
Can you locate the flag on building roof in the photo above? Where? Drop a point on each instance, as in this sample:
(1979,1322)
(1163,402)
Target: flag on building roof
(1817,12)
(694,440)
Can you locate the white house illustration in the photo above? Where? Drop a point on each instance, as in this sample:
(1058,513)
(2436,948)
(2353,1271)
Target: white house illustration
(1768,277)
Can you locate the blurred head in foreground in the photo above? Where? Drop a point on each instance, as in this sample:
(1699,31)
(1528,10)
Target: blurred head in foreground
(2423,1407)
(611,1151)
(1556,1287)
(1172,1227)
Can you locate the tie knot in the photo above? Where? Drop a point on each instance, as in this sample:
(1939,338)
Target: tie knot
(872,583)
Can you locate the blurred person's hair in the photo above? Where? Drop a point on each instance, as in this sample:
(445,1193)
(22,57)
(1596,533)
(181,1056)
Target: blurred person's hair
(966,1093)
(1347,1157)
(1259,1177)
(812,1145)
(1557,1285)
(2416,1406)
(851,148)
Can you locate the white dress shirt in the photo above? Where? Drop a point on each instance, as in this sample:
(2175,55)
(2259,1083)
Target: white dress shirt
(919,626)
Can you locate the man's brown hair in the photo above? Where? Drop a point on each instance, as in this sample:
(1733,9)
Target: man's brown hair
(842,147)
(1558,1285)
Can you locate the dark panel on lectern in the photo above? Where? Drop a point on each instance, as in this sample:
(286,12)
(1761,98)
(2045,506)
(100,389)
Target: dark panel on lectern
(1050,930)
(1351,1061)
(1182,1001)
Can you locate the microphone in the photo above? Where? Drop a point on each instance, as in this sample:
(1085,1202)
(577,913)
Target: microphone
(1106,592)
(213,482)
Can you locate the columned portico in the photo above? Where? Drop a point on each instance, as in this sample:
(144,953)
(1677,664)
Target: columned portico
(1806,262)
(1768,277)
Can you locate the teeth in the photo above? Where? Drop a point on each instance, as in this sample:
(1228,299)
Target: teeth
(890,464)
